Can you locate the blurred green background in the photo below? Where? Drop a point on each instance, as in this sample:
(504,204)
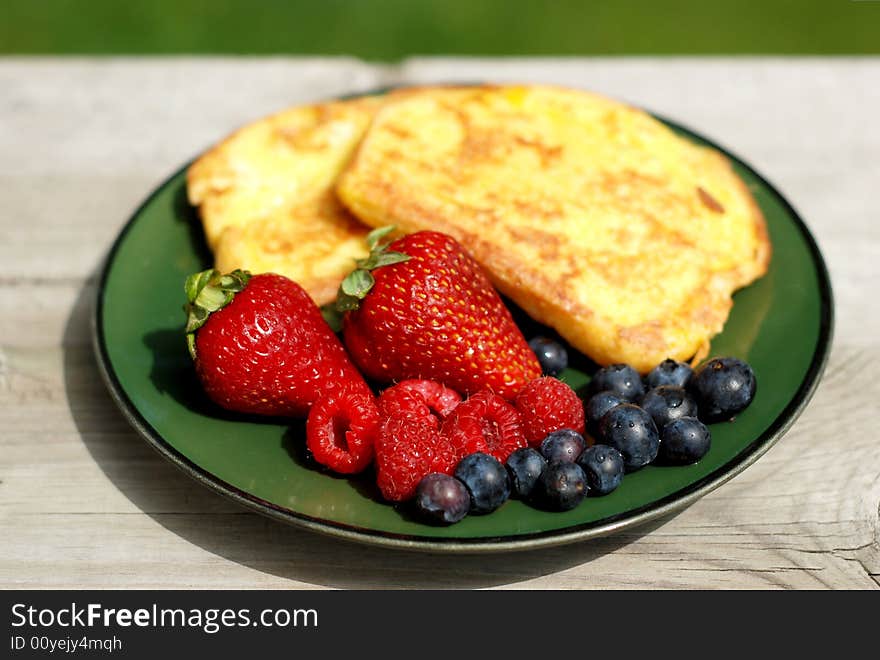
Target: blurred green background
(392,29)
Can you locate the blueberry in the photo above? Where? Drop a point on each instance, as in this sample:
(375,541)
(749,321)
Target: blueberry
(561,487)
(621,379)
(486,481)
(603,466)
(524,466)
(666,403)
(631,431)
(442,499)
(684,440)
(552,355)
(723,387)
(669,372)
(599,404)
(562,446)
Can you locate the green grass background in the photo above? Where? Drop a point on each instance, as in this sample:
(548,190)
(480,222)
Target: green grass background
(392,29)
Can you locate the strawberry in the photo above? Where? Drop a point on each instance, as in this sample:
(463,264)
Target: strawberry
(261,345)
(547,404)
(341,430)
(407,448)
(486,423)
(421,307)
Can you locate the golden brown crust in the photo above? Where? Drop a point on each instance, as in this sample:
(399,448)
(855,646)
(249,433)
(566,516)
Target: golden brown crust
(265,195)
(590,215)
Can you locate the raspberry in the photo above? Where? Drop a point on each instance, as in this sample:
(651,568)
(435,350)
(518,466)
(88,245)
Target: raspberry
(341,429)
(441,399)
(484,423)
(407,449)
(396,400)
(546,405)
(424,398)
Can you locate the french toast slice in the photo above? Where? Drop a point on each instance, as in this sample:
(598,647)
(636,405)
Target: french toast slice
(266,201)
(591,215)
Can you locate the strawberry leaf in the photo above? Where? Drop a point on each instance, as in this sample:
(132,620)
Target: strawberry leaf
(206,292)
(196,318)
(358,283)
(377,235)
(347,303)
(389,258)
(380,257)
(332,315)
(196,282)
(210,299)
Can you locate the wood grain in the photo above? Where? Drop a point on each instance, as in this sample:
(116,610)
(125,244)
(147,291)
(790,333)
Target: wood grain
(85,503)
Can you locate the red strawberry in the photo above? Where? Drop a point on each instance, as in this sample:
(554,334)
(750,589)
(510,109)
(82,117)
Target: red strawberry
(484,423)
(261,346)
(423,308)
(546,405)
(408,448)
(341,430)
(425,398)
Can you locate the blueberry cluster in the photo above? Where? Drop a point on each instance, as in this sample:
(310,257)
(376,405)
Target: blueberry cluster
(663,417)
(564,471)
(659,419)
(556,478)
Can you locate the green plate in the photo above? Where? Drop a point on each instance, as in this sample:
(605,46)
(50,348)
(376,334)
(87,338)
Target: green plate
(781,325)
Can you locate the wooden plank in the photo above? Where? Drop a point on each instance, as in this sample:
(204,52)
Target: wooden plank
(85,503)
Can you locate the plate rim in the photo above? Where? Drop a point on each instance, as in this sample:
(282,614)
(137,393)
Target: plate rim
(671,503)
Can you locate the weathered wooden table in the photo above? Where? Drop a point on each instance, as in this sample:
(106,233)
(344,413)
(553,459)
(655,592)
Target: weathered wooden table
(84,502)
